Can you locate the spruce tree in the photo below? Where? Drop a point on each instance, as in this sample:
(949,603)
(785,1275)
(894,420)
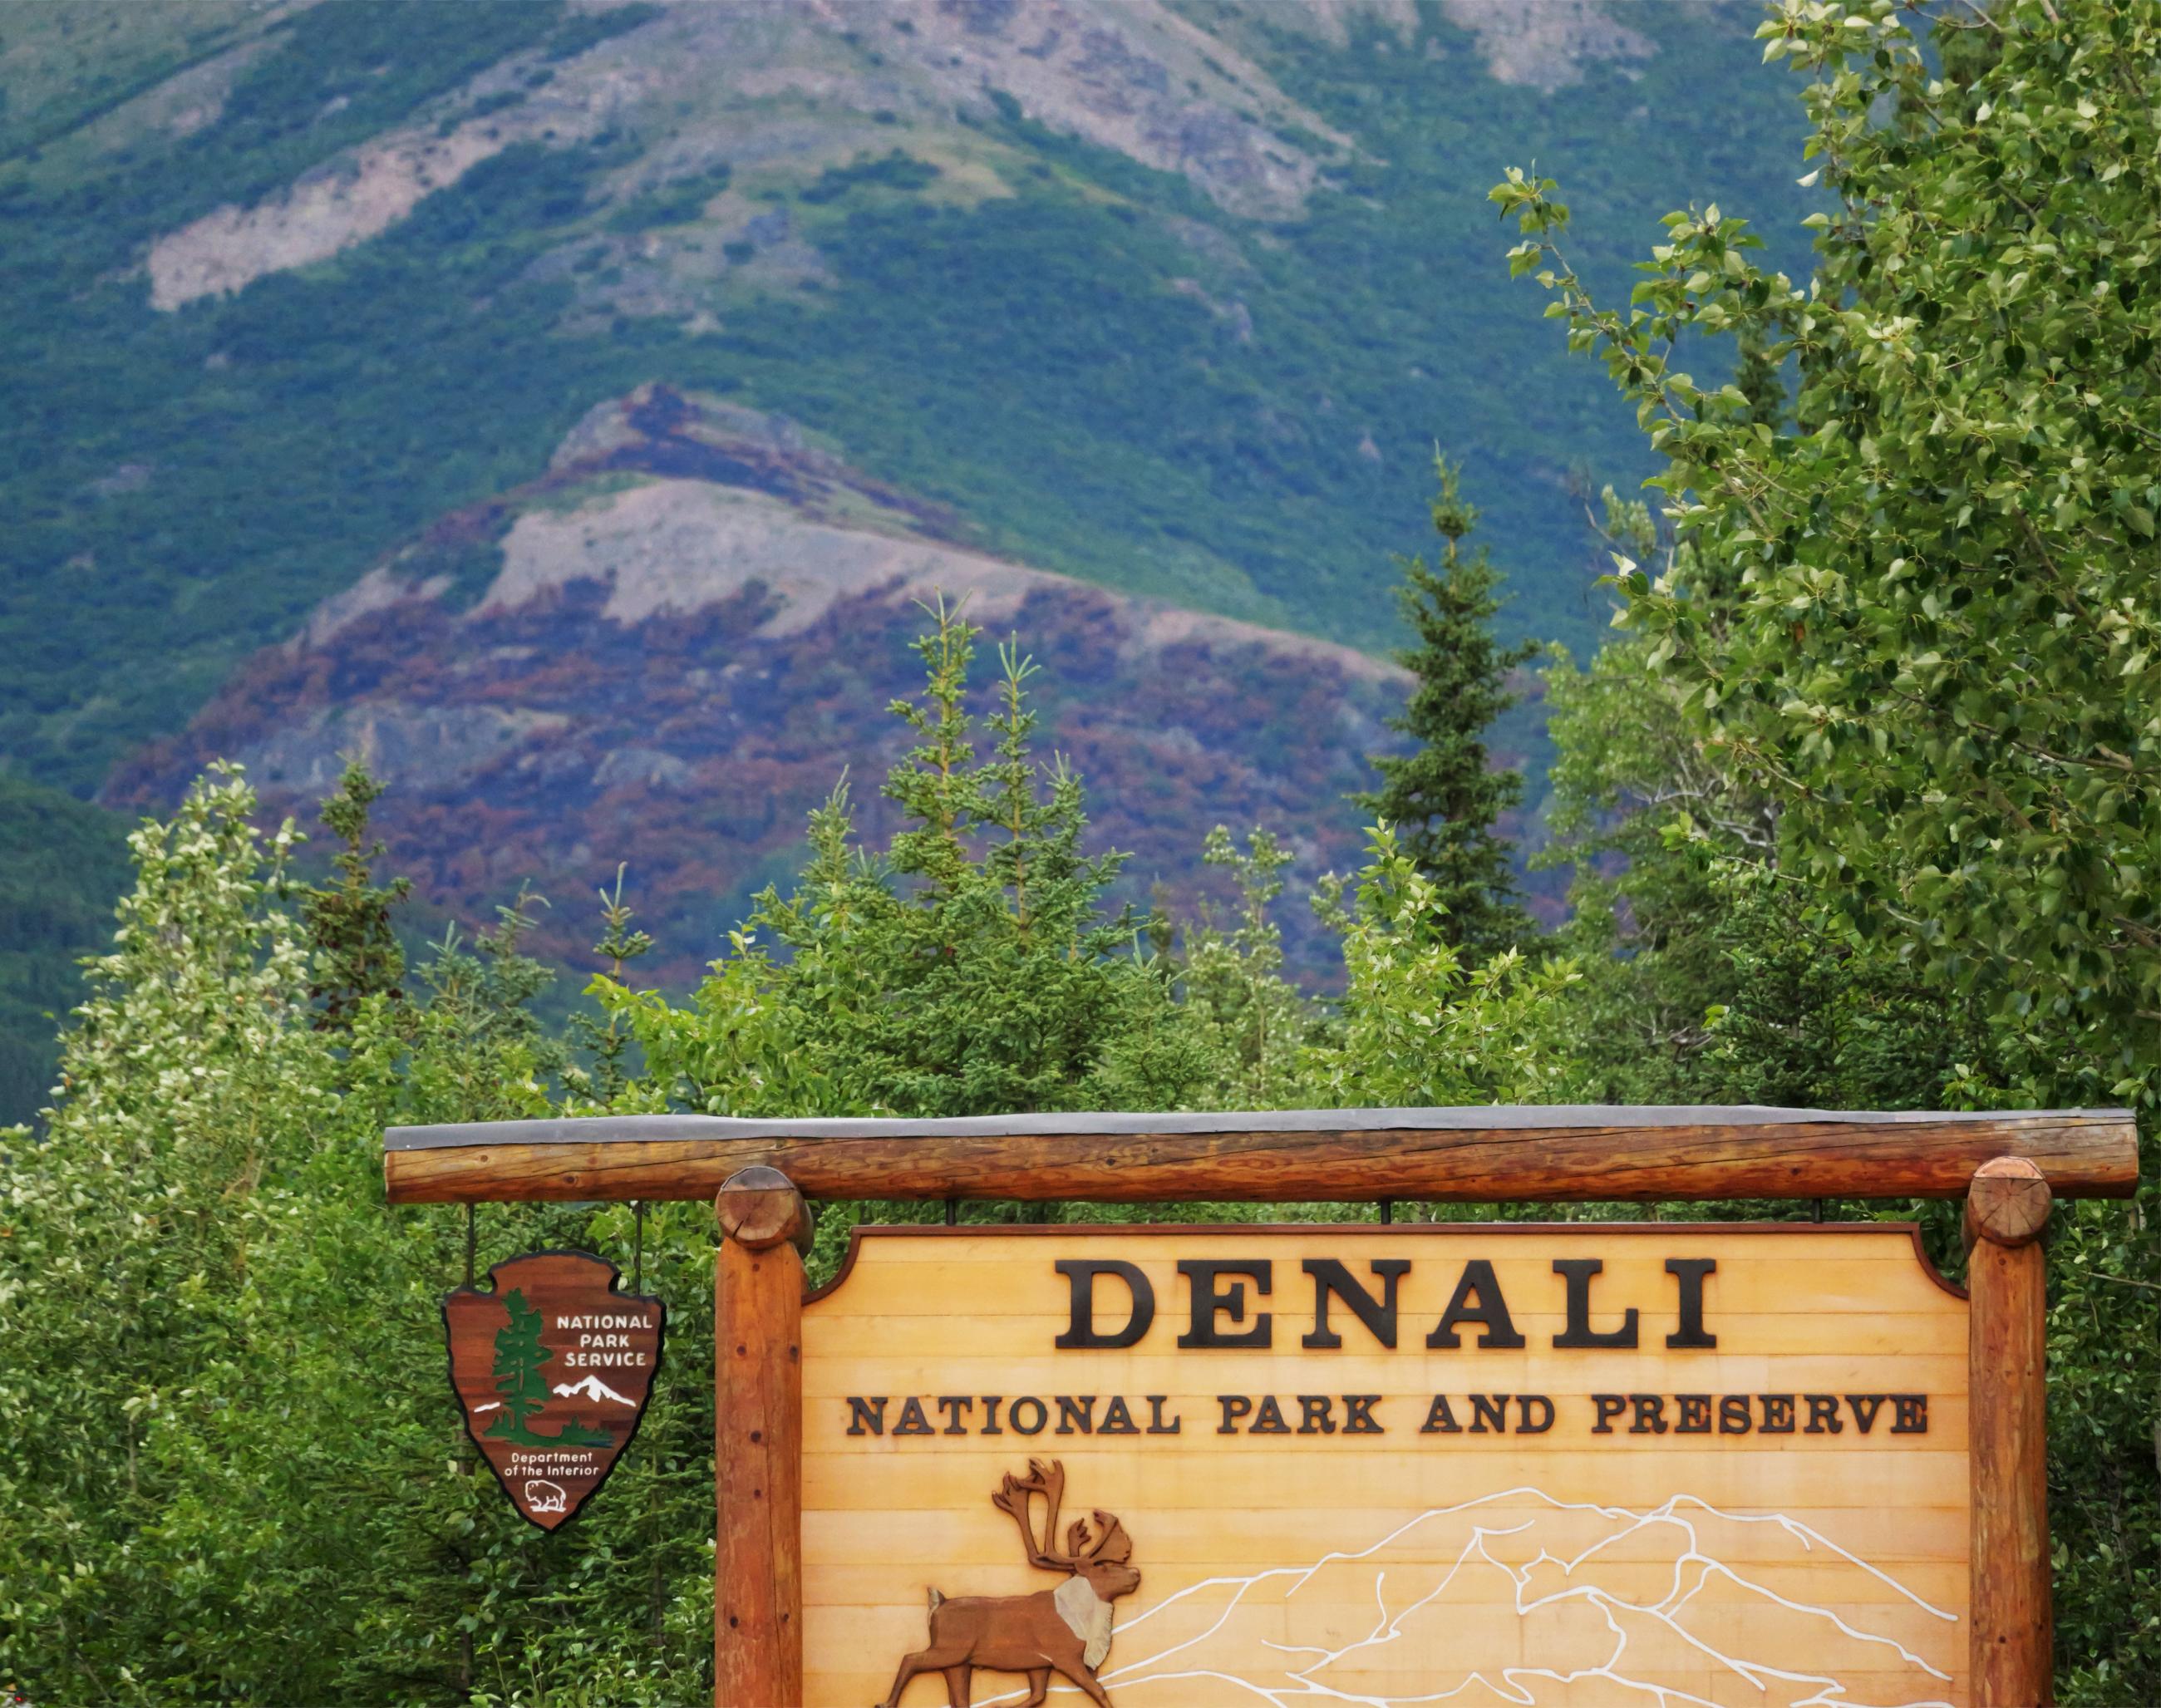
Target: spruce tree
(1442,797)
(356,953)
(608,1047)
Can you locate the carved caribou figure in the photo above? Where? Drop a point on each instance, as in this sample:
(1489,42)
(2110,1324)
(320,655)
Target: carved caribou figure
(1066,1630)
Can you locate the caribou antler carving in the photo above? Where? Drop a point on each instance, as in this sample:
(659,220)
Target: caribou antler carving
(1066,1631)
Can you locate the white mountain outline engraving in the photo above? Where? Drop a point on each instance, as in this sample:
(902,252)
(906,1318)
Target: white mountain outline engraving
(592,1388)
(1301,1688)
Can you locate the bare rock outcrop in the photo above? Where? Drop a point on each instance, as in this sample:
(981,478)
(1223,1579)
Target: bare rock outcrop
(699,79)
(698,622)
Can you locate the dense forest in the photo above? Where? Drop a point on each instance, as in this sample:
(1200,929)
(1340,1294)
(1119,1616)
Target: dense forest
(1860,801)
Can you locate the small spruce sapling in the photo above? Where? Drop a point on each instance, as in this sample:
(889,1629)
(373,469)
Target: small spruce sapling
(355,949)
(608,1046)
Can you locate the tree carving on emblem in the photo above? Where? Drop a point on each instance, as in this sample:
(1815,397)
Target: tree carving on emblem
(1065,1630)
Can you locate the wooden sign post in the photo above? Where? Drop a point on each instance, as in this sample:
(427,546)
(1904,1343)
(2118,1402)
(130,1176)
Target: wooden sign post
(757,1440)
(1754,1462)
(2014,1624)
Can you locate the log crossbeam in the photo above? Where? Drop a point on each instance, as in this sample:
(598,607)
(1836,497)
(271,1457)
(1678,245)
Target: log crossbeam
(1523,1153)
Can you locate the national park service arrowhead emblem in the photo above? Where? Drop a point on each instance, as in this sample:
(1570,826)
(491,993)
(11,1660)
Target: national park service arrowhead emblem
(553,1368)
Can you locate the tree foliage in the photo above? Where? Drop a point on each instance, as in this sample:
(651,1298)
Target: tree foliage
(348,920)
(1444,797)
(1920,604)
(233,1475)
(967,969)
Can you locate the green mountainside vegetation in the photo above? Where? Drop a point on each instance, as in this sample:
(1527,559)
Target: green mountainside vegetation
(1105,371)
(1863,805)
(62,862)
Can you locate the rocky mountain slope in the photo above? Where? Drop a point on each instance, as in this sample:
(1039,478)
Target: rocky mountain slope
(1174,296)
(672,645)
(1167,298)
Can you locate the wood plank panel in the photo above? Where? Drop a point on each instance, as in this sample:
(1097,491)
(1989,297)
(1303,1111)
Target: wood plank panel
(1522,1154)
(1555,1567)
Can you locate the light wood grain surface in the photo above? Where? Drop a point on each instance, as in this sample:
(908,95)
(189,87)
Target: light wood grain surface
(1563,1567)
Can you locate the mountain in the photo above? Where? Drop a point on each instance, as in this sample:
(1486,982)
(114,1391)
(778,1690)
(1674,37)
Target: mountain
(1539,1601)
(1175,299)
(592,1388)
(1170,299)
(671,646)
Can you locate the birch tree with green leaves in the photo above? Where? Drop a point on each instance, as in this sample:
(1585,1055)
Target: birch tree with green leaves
(1922,603)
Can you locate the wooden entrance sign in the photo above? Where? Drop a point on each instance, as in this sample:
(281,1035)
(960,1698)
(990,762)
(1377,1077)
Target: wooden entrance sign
(1561,1463)
(552,1368)
(1899,1556)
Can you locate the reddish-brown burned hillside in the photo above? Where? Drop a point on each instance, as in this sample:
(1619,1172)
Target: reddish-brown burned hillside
(677,641)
